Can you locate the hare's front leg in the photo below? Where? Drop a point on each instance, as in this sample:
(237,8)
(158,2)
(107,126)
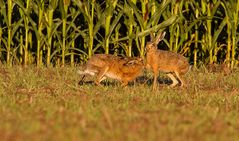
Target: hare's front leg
(82,80)
(100,75)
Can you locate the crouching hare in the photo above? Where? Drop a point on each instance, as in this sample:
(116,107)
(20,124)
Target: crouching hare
(123,69)
(172,63)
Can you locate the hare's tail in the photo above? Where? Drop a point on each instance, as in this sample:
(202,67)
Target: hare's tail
(80,72)
(86,72)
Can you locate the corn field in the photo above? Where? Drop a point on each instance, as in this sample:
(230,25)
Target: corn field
(60,32)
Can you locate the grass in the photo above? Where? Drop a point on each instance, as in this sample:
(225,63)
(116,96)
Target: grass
(48,104)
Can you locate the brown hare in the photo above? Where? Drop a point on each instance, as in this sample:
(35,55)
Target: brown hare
(124,69)
(170,62)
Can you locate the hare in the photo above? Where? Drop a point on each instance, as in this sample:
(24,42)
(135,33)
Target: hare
(165,61)
(124,69)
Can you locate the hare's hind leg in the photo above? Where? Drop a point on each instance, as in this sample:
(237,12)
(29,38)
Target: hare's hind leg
(100,75)
(175,81)
(181,81)
(155,84)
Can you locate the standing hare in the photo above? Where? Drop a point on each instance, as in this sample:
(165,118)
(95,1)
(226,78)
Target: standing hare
(170,62)
(124,69)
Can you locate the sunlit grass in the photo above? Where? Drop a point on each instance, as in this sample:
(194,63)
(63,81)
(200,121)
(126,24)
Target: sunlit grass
(48,104)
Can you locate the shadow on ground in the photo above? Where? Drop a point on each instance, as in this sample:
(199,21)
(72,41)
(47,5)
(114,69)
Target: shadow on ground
(143,80)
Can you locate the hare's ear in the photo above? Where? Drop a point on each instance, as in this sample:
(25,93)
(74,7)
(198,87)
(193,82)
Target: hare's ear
(160,37)
(152,37)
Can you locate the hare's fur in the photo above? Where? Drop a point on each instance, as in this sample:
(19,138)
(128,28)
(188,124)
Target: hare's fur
(170,62)
(124,69)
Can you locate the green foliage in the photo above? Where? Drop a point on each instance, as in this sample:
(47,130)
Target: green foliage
(57,32)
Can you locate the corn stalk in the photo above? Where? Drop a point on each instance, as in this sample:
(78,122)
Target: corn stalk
(174,29)
(231,9)
(64,4)
(39,7)
(1,32)
(10,6)
(50,28)
(110,7)
(3,41)
(24,11)
(149,24)
(130,24)
(87,8)
(75,33)
(210,38)
(196,47)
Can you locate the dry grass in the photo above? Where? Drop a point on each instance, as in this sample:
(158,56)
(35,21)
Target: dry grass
(48,104)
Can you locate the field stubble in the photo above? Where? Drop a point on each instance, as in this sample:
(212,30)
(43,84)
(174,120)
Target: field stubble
(48,104)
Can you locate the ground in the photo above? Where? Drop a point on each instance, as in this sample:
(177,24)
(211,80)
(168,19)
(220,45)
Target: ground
(49,104)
